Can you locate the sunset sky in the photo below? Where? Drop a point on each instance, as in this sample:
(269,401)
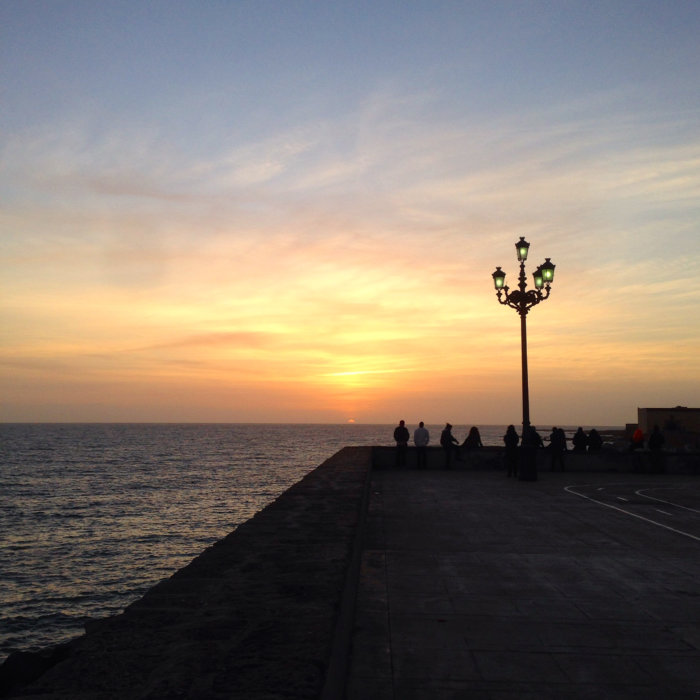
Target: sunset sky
(289,211)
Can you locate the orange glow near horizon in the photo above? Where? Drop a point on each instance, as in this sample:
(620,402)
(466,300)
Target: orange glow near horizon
(319,364)
(321,358)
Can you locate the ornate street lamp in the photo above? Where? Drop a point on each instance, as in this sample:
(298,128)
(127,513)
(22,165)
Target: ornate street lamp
(522,300)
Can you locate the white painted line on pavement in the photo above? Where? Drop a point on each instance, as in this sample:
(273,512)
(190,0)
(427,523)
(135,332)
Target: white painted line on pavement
(569,489)
(661,500)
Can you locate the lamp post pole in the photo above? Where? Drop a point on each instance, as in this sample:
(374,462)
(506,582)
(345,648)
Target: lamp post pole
(522,300)
(523,355)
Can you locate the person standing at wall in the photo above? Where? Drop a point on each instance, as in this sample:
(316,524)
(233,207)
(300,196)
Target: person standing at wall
(579,441)
(557,446)
(637,445)
(595,442)
(449,443)
(637,442)
(529,445)
(421,439)
(656,444)
(401,437)
(511,440)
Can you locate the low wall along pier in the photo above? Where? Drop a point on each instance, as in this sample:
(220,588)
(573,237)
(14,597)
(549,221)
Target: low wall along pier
(492,458)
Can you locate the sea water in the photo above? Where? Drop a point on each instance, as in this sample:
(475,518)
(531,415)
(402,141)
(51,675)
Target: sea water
(93,515)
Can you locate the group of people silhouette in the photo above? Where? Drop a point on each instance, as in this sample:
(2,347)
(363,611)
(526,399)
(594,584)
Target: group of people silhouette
(421,439)
(520,452)
(587,443)
(655,443)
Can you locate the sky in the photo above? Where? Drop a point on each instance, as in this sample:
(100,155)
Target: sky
(289,211)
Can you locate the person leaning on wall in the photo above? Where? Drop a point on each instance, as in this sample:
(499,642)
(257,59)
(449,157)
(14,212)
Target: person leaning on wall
(449,443)
(473,439)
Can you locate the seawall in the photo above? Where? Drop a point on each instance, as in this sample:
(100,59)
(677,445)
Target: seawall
(492,458)
(263,613)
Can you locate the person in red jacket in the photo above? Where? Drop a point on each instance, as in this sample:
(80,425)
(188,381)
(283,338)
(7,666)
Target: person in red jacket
(637,440)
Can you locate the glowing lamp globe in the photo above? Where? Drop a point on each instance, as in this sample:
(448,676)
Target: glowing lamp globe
(499,278)
(539,278)
(547,268)
(521,247)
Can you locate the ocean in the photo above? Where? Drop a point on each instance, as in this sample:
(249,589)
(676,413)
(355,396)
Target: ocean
(93,515)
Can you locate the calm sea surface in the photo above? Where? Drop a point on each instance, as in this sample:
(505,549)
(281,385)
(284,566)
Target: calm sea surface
(92,515)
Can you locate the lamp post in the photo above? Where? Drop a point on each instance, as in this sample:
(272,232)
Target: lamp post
(522,300)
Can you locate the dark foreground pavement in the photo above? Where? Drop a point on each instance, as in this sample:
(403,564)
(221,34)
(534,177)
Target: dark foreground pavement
(476,586)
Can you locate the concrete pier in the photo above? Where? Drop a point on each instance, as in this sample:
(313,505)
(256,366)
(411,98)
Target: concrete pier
(478,586)
(264,613)
(365,582)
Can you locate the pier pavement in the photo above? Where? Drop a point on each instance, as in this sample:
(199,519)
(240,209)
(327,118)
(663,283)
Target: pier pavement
(577,585)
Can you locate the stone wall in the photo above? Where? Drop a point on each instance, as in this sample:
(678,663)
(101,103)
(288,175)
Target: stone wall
(493,458)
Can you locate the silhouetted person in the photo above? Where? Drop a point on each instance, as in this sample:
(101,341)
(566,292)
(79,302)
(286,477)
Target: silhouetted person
(421,438)
(401,436)
(637,442)
(656,446)
(449,443)
(528,452)
(656,439)
(511,440)
(579,441)
(595,442)
(557,446)
(473,439)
